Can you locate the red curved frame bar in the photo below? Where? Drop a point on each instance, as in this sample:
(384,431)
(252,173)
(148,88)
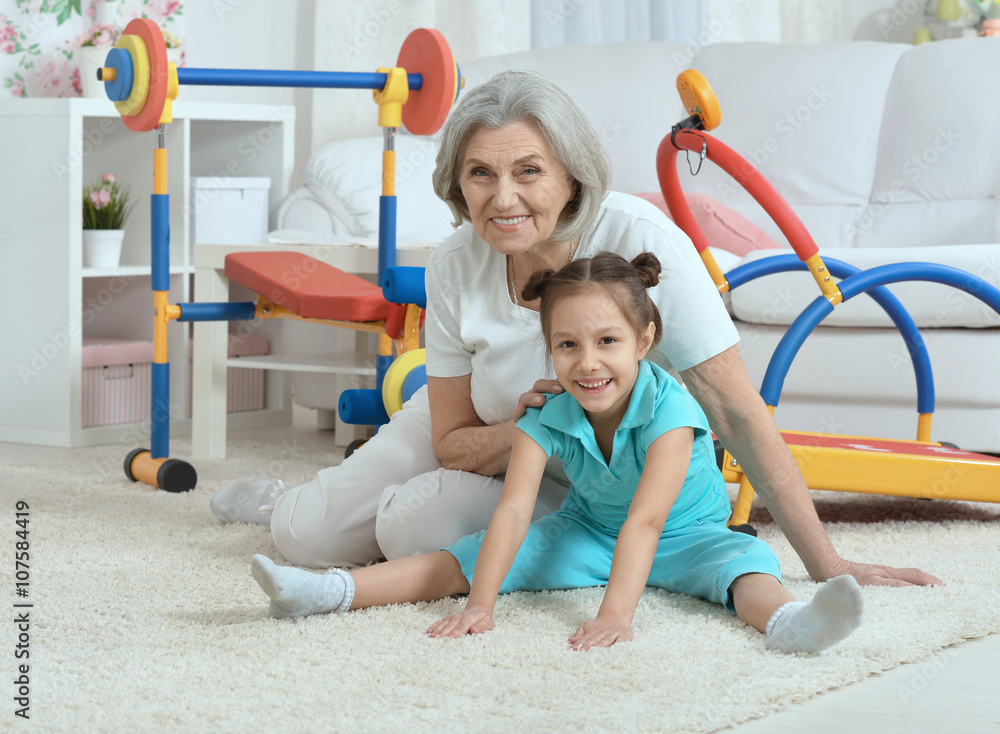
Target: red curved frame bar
(745,174)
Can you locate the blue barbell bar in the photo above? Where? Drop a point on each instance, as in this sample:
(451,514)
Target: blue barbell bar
(288,78)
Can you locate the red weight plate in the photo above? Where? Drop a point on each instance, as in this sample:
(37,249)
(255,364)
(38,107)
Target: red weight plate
(425,52)
(149,117)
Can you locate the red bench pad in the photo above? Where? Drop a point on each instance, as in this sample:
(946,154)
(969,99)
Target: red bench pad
(308,287)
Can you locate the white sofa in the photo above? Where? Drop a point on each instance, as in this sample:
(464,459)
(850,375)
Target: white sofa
(888,153)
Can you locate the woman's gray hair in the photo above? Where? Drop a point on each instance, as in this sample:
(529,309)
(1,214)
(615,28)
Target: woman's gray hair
(526,96)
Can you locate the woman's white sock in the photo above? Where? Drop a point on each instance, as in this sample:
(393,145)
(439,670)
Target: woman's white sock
(298,593)
(834,613)
(241,499)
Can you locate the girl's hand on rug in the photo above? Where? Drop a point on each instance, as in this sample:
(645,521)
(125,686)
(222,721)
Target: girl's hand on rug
(600,633)
(869,574)
(536,396)
(470,622)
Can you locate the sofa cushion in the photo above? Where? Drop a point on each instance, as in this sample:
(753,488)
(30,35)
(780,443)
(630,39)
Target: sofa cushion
(345,178)
(937,179)
(778,299)
(625,89)
(722,227)
(808,117)
(859,382)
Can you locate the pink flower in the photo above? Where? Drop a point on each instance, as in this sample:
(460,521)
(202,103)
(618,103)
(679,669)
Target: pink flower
(75,81)
(17,88)
(91,11)
(8,36)
(163,8)
(100,198)
(108,178)
(51,77)
(101,34)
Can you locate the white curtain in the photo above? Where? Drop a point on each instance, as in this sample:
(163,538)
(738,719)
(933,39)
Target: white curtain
(556,22)
(699,22)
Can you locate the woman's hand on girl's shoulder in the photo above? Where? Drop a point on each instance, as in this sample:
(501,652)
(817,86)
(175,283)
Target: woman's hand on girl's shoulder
(470,622)
(536,396)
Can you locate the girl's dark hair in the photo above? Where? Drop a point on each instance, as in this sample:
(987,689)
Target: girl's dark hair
(626,282)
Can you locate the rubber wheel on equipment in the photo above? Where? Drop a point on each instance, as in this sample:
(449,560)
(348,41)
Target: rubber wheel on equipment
(176,476)
(128,462)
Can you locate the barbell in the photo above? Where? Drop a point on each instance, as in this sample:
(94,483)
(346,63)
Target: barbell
(143,84)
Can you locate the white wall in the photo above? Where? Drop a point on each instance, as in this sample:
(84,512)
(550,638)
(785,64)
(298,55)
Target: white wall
(254,34)
(362,35)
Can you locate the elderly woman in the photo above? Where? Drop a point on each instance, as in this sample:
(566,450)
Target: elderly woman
(527,179)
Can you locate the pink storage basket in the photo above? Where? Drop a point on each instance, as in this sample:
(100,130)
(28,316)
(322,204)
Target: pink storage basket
(116,381)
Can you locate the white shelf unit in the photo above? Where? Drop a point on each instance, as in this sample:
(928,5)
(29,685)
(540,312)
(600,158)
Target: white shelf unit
(50,149)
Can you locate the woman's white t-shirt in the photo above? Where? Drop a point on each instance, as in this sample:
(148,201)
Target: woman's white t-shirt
(473,327)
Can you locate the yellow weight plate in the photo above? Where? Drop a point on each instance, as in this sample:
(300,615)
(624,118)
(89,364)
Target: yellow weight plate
(395,376)
(140,75)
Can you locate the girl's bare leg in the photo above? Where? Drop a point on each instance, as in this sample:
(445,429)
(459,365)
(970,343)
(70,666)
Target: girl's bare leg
(757,596)
(298,593)
(414,578)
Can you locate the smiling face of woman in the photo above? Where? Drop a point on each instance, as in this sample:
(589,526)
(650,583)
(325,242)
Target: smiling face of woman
(514,186)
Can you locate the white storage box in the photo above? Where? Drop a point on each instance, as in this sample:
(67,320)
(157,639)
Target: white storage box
(229,211)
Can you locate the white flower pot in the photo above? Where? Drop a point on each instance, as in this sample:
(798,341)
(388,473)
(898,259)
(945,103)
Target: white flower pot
(102,248)
(90,59)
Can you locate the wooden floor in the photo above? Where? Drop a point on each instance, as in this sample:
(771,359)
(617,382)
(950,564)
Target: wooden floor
(953,691)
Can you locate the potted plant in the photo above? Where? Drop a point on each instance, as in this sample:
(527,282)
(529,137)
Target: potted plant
(990,23)
(106,207)
(92,50)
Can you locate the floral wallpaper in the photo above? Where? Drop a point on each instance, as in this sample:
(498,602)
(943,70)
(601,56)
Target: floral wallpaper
(39,39)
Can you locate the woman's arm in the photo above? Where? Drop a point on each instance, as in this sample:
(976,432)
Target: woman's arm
(662,477)
(740,419)
(503,538)
(461,440)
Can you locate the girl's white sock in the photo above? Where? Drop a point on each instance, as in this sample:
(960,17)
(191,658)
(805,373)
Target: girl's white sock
(298,593)
(834,613)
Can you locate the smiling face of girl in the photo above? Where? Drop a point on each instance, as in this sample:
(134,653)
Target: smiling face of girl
(596,352)
(514,186)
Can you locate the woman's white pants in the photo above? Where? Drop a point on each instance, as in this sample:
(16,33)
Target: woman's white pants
(390,498)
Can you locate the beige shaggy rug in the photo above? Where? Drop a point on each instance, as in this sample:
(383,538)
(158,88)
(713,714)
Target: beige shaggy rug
(145,618)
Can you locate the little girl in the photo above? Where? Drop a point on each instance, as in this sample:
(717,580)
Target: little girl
(647,505)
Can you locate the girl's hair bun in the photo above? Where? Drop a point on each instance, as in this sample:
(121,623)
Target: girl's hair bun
(536,284)
(648,267)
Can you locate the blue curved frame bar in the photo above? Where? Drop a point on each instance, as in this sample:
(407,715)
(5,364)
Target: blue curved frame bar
(882,296)
(854,285)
